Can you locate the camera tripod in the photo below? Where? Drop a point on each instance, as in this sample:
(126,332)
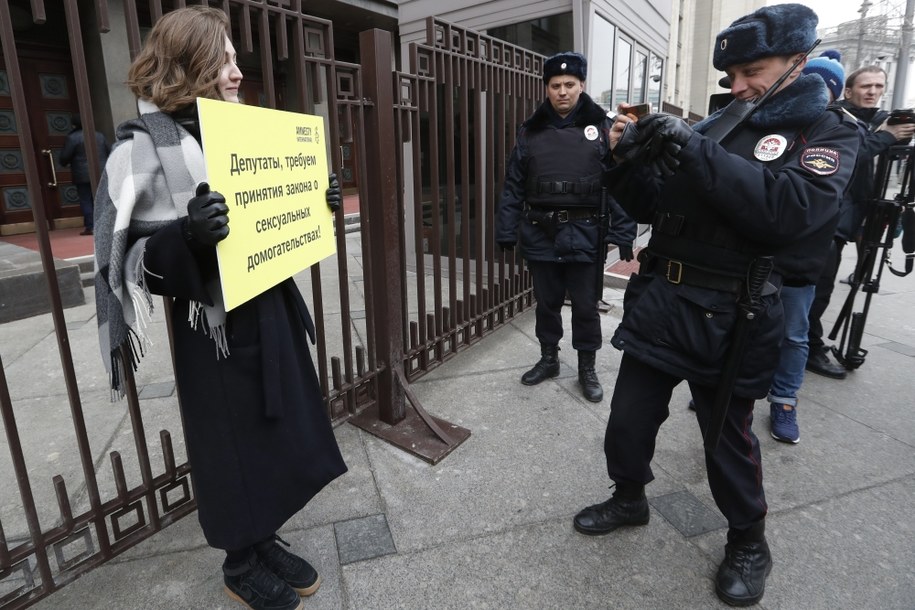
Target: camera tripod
(882,218)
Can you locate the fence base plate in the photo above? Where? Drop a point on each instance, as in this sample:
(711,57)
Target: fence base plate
(412,434)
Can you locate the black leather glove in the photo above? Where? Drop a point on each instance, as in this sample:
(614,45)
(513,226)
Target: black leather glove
(507,246)
(207,220)
(625,251)
(629,146)
(663,136)
(664,127)
(333,195)
(667,162)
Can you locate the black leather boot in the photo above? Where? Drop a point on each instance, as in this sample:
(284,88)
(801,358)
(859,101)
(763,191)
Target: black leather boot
(818,362)
(741,579)
(546,368)
(627,506)
(587,377)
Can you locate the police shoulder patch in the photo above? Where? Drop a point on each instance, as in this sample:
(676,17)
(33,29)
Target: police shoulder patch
(820,160)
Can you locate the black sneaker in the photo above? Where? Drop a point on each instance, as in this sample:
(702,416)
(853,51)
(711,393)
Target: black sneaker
(292,569)
(258,588)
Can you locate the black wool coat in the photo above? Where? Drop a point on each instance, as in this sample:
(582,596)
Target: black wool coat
(258,437)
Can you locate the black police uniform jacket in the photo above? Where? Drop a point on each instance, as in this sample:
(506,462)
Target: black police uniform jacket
(754,195)
(863,184)
(550,149)
(259,439)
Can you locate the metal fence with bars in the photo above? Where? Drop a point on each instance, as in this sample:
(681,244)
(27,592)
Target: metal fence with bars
(430,145)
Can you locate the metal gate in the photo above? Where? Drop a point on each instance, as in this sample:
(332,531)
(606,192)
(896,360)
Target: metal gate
(431,145)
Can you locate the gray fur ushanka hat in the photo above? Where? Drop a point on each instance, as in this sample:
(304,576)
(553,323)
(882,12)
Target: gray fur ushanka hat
(781,29)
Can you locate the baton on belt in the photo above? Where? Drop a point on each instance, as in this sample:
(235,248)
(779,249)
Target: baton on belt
(602,223)
(749,305)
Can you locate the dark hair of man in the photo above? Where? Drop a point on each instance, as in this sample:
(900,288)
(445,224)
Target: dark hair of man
(850,81)
(182,58)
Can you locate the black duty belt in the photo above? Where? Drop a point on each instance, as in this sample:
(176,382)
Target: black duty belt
(560,216)
(678,272)
(560,187)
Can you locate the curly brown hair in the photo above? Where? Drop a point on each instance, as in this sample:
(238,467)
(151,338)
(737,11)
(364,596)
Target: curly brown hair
(182,58)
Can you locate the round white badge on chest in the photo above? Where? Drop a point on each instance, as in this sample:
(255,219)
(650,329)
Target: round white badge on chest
(591,132)
(770,147)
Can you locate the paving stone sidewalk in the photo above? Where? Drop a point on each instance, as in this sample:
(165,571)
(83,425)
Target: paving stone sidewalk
(490,525)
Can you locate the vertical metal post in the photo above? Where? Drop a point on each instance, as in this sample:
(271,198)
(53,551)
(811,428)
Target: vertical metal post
(385,220)
(865,4)
(902,58)
(20,109)
(414,430)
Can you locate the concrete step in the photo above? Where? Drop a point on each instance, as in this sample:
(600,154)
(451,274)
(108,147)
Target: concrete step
(86,266)
(351,223)
(24,288)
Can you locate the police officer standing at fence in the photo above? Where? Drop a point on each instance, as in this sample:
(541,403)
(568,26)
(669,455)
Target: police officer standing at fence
(551,199)
(721,201)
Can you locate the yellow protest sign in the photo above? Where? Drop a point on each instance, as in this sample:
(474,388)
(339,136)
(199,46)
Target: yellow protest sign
(271,166)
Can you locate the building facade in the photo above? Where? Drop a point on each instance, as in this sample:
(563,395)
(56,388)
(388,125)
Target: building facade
(626,43)
(697,79)
(874,40)
(629,47)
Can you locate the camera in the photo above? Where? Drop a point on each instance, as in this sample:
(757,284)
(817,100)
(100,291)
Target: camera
(901,117)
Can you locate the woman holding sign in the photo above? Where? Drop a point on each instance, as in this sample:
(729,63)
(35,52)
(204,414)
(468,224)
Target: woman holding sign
(258,438)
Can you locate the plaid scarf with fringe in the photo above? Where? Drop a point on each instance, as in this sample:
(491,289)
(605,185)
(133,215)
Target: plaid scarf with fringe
(150,176)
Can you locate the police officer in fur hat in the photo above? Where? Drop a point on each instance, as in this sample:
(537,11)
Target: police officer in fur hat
(722,198)
(550,204)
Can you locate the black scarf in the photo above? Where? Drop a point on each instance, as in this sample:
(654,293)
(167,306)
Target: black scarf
(872,117)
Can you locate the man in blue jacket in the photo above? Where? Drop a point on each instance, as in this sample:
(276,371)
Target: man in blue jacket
(720,204)
(551,199)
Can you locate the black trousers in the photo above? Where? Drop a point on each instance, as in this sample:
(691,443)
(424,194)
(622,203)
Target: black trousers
(823,294)
(551,282)
(640,405)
